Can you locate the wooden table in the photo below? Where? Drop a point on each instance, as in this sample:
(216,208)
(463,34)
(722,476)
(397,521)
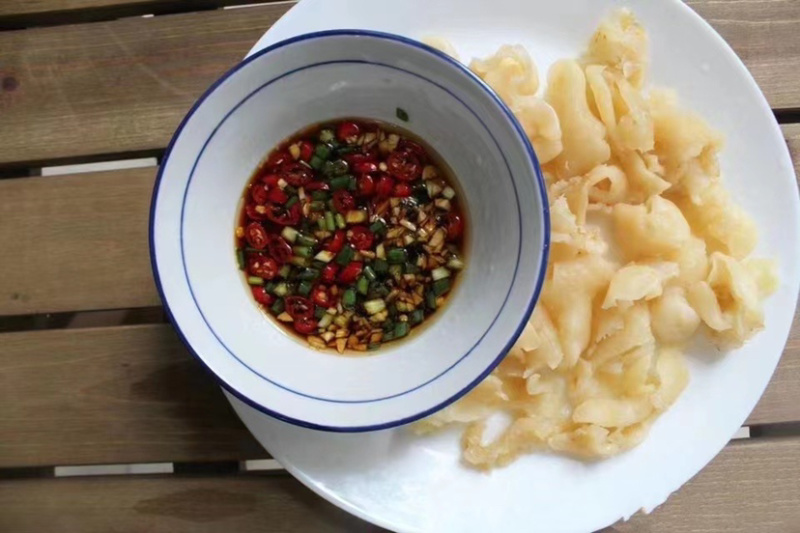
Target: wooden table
(90,373)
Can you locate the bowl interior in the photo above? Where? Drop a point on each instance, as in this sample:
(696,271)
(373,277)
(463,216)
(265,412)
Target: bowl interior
(268,99)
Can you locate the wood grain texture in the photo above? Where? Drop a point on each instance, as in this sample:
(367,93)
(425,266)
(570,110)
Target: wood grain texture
(751,486)
(117,86)
(125,85)
(781,401)
(764,34)
(240,504)
(30,7)
(76,242)
(111,395)
(134,394)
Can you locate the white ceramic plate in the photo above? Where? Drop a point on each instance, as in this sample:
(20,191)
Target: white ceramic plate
(406,483)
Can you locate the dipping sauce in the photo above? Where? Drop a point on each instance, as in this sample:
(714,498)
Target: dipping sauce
(351,234)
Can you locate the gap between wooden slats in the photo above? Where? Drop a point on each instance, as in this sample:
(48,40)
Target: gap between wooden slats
(750,486)
(21,14)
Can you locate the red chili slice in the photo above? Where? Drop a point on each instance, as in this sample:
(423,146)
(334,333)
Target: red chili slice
(343,201)
(347,130)
(385,186)
(262,296)
(351,272)
(278,158)
(321,296)
(279,249)
(365,167)
(360,238)
(306,151)
(299,307)
(277,196)
(256,235)
(329,272)
(270,180)
(296,174)
(256,212)
(259,192)
(402,190)
(316,186)
(354,159)
(282,216)
(305,325)
(418,150)
(455,226)
(366,186)
(404,165)
(337,242)
(262,266)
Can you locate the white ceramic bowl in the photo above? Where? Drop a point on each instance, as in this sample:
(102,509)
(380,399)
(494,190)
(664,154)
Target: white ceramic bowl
(267,98)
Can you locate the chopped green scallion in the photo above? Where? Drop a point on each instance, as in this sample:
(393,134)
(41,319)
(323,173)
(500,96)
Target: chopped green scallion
(255,280)
(330,223)
(349,298)
(430,300)
(441,286)
(303,251)
(378,227)
(339,183)
(316,162)
(304,289)
(362,285)
(416,317)
(380,266)
(240,258)
(345,256)
(323,151)
(325,321)
(373,307)
(401,330)
(319,196)
(299,261)
(281,289)
(397,256)
(305,240)
(308,274)
(278,307)
(289,233)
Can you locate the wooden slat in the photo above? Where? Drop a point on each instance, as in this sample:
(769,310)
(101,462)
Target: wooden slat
(764,34)
(96,78)
(75,242)
(240,504)
(111,395)
(39,7)
(781,400)
(115,86)
(752,486)
(133,394)
(19,14)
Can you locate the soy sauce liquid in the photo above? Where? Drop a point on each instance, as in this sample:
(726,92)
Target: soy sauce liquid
(444,178)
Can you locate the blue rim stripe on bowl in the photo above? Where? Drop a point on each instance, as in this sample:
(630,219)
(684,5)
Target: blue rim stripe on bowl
(509,116)
(191,289)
